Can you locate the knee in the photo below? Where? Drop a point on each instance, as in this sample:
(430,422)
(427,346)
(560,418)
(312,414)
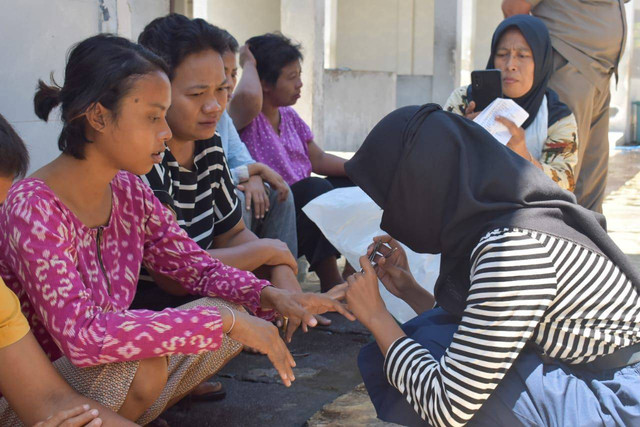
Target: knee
(318,186)
(151,378)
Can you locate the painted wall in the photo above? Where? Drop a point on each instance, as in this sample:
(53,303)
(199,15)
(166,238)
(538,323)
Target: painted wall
(245,18)
(384,35)
(35,54)
(413,90)
(354,102)
(488,16)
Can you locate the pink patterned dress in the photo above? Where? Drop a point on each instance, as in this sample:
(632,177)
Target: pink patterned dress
(76,283)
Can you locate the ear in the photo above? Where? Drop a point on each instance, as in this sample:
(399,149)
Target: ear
(266,87)
(98,116)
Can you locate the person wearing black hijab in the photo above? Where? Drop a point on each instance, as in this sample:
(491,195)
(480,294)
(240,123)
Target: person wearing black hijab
(538,311)
(521,49)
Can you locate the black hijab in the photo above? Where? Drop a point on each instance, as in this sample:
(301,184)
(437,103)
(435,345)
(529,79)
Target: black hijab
(536,34)
(443,182)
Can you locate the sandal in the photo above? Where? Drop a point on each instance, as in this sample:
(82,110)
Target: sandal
(196,395)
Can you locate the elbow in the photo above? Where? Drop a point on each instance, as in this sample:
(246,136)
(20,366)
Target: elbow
(82,350)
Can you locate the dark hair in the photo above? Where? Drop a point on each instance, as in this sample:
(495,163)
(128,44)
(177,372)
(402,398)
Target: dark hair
(174,37)
(273,51)
(14,157)
(102,69)
(232,43)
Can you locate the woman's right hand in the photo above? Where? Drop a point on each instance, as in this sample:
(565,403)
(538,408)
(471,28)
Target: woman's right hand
(279,254)
(264,337)
(470,112)
(80,416)
(393,272)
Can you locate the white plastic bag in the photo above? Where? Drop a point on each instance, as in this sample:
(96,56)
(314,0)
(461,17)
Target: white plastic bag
(350,220)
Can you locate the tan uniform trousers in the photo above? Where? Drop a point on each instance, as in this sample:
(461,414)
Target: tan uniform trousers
(590,105)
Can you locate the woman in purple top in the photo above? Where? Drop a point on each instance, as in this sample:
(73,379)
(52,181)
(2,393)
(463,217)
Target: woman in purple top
(279,138)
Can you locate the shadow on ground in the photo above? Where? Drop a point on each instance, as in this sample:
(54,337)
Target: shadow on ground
(326,369)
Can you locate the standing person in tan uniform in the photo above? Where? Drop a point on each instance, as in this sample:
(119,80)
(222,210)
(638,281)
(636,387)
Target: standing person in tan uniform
(588,39)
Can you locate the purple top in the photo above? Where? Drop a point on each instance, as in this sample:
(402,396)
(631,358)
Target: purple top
(76,283)
(287,153)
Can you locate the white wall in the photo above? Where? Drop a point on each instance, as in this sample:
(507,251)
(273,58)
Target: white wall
(244,18)
(413,90)
(384,35)
(36,35)
(488,16)
(354,103)
(303,21)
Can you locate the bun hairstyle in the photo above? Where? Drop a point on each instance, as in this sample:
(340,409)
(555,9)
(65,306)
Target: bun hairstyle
(102,69)
(273,52)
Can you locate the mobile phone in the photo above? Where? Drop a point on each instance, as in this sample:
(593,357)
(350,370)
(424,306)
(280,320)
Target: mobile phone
(486,85)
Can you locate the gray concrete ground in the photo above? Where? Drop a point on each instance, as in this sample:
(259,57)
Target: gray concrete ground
(328,390)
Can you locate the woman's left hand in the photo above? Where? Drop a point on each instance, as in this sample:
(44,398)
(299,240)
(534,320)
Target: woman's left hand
(517,142)
(363,294)
(276,181)
(300,307)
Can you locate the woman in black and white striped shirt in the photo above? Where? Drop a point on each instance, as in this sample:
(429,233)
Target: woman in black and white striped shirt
(539,312)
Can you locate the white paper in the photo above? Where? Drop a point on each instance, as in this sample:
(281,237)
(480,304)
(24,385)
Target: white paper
(502,107)
(349,219)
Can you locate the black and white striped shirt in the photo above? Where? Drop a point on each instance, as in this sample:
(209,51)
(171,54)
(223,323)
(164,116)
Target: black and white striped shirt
(572,303)
(203,199)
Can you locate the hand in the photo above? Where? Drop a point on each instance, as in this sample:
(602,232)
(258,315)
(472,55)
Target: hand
(255,192)
(338,292)
(246,57)
(279,253)
(517,142)
(394,272)
(76,417)
(363,295)
(275,180)
(300,308)
(470,112)
(263,336)
(515,7)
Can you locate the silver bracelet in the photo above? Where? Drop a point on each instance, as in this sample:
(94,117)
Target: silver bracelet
(233,320)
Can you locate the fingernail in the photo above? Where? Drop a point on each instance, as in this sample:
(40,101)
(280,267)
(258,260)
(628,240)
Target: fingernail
(85,407)
(94,412)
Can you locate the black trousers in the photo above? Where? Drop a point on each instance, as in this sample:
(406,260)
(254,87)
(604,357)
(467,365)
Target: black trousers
(311,242)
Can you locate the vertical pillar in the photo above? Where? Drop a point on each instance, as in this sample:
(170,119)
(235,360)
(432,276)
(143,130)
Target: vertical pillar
(303,21)
(488,14)
(447,48)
